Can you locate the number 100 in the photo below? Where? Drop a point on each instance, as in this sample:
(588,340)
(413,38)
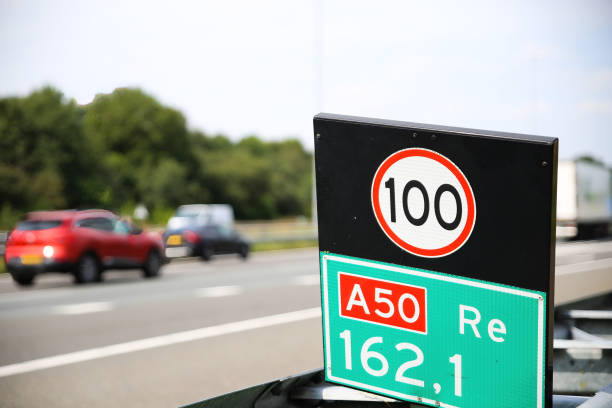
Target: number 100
(390,184)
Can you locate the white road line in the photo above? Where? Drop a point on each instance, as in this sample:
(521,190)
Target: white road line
(82,308)
(219,291)
(306,280)
(159,341)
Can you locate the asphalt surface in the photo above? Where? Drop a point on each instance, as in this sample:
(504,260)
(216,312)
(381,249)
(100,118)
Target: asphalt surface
(201,330)
(55,318)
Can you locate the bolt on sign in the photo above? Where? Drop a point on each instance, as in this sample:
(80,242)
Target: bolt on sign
(437,261)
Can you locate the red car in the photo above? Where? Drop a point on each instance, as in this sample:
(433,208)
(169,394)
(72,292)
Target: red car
(83,243)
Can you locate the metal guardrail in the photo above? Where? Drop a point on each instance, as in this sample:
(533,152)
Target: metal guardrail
(263,232)
(3,237)
(311,390)
(255,232)
(582,361)
(264,238)
(332,394)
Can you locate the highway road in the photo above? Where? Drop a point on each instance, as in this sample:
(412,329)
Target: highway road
(201,330)
(55,318)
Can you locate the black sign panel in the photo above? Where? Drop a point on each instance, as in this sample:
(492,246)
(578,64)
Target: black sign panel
(470,203)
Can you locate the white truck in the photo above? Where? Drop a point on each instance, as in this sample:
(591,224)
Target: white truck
(203,214)
(583,200)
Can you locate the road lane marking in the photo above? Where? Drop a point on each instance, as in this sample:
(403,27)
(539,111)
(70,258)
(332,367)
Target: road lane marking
(219,291)
(158,341)
(82,308)
(306,280)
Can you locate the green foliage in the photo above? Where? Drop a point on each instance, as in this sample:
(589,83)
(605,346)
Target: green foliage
(273,246)
(9,217)
(44,153)
(161,215)
(13,185)
(261,180)
(591,159)
(126,148)
(146,146)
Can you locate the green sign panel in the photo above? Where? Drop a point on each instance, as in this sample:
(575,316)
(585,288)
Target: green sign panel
(430,337)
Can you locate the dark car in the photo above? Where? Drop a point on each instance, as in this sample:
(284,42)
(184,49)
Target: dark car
(83,243)
(193,239)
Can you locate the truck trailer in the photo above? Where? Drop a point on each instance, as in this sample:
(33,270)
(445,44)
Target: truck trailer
(583,200)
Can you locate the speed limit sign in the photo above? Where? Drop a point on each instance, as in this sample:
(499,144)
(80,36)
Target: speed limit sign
(436,251)
(423,202)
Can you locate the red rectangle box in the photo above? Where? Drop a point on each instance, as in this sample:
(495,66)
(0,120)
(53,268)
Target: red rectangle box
(383,302)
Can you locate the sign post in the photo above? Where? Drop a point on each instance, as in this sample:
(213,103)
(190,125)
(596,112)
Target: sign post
(437,261)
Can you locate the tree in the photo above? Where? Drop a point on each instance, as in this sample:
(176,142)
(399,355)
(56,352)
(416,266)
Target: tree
(44,153)
(260,179)
(591,159)
(139,135)
(126,148)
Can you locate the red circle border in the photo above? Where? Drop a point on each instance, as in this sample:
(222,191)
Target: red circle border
(471,203)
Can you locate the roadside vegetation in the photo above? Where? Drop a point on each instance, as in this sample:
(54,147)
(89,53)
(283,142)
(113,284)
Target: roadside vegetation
(126,148)
(272,246)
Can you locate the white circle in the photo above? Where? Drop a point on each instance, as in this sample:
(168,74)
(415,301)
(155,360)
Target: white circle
(430,174)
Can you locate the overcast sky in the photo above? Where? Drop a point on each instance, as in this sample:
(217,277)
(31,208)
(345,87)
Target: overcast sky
(265,67)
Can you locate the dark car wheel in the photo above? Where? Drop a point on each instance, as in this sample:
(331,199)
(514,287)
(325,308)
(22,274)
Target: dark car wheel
(206,253)
(152,265)
(23,278)
(243,252)
(87,270)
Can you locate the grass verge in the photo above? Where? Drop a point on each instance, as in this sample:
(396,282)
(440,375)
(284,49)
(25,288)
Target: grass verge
(271,246)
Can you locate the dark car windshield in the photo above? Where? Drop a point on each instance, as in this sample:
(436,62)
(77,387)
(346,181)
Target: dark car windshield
(181,223)
(187,213)
(35,225)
